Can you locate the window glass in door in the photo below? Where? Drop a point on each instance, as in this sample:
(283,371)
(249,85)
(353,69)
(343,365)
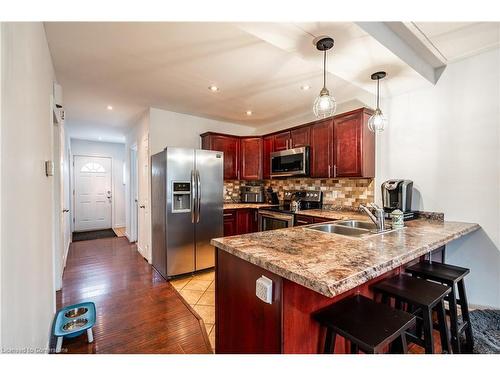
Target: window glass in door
(92,193)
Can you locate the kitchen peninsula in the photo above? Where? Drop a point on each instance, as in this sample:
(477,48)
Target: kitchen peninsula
(309,270)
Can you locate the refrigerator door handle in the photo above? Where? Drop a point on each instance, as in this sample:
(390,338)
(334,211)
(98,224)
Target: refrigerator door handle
(193,197)
(198,196)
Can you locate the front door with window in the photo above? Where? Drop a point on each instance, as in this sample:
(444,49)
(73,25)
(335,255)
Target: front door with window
(92,193)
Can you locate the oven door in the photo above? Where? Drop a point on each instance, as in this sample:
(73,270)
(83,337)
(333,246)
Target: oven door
(273,220)
(293,162)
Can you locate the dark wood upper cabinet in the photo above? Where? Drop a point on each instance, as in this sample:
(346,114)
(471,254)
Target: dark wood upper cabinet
(340,146)
(282,141)
(267,148)
(230,146)
(321,153)
(300,137)
(353,145)
(251,158)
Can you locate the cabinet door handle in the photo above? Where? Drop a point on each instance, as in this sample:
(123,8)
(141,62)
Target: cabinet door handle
(329,169)
(226,215)
(334,170)
(302,222)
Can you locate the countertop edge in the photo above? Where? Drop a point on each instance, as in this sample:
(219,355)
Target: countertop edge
(351,282)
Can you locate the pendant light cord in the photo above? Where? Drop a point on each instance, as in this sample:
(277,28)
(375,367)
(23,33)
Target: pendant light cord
(324,68)
(378,93)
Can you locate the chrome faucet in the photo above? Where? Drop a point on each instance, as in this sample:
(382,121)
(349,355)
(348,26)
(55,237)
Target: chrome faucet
(378,218)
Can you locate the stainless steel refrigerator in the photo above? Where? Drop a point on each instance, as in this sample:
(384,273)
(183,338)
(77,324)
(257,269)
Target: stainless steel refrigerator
(187,196)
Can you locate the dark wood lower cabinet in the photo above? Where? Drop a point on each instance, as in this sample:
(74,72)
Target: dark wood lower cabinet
(303,220)
(245,324)
(230,226)
(240,221)
(247,220)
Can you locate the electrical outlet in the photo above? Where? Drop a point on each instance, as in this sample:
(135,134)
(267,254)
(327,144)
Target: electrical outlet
(264,289)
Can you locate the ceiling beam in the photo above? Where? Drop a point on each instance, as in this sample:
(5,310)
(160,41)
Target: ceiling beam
(410,45)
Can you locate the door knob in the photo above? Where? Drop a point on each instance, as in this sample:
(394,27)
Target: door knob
(65,210)
(142,206)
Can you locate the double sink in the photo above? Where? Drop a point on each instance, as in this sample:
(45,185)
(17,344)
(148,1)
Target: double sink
(350,228)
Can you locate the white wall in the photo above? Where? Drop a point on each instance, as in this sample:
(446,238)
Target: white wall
(446,139)
(116,151)
(180,130)
(27,290)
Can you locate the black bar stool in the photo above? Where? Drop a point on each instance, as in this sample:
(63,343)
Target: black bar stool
(422,296)
(452,276)
(368,325)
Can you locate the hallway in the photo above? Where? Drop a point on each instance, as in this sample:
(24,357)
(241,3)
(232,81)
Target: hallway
(137,310)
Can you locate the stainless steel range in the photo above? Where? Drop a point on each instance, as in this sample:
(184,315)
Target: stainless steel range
(294,201)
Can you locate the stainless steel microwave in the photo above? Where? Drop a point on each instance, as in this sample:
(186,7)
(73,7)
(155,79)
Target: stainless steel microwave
(292,162)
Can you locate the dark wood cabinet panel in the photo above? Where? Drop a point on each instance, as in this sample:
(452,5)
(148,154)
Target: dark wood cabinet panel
(246,220)
(230,146)
(281,141)
(267,148)
(321,158)
(321,220)
(303,220)
(251,158)
(245,324)
(230,226)
(347,146)
(240,221)
(354,146)
(300,137)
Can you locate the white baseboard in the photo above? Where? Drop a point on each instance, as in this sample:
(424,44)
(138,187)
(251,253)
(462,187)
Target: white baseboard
(128,237)
(65,255)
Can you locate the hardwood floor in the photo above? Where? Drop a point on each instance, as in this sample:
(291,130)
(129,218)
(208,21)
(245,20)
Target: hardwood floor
(137,310)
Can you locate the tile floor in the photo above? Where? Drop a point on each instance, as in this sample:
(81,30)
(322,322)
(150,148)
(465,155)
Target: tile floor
(119,231)
(199,292)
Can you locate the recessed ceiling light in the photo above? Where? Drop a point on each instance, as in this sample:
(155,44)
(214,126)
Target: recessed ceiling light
(249,113)
(213,88)
(109,107)
(305,87)
(99,138)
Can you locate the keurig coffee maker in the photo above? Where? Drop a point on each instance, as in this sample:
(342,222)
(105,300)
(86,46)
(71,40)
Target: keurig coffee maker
(396,194)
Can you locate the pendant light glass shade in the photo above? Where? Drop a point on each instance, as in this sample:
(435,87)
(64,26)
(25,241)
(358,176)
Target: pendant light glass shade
(325,104)
(377,122)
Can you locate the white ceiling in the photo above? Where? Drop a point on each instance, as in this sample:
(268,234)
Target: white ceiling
(458,40)
(258,66)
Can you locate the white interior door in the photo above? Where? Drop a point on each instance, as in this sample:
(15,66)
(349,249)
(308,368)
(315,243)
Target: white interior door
(92,193)
(144,225)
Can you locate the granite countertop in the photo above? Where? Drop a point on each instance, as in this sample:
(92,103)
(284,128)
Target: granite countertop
(332,264)
(235,206)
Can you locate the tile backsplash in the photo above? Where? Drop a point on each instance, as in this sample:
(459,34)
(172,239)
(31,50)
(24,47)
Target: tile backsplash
(337,192)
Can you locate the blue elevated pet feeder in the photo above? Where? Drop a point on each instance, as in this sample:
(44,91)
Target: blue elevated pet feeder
(72,321)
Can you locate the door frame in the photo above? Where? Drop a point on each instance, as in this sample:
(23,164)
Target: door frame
(74,188)
(134,193)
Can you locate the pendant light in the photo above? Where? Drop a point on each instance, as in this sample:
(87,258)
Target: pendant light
(377,121)
(325,104)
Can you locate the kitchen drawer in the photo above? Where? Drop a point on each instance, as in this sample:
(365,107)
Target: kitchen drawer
(321,219)
(303,220)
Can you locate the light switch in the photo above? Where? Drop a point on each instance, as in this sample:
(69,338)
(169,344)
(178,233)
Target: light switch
(264,289)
